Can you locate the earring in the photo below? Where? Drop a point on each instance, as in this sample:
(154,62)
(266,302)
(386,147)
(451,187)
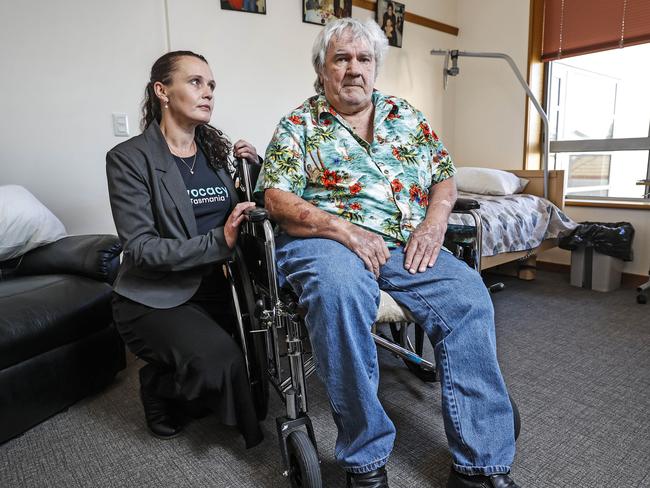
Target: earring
(166,103)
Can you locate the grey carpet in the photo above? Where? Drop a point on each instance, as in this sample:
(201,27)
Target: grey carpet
(578,363)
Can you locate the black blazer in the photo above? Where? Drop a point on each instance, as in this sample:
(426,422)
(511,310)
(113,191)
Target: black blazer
(164,258)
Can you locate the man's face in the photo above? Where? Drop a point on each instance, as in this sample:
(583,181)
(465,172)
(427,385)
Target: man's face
(348,75)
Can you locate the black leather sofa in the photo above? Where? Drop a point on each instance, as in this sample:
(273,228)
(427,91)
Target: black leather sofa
(57,340)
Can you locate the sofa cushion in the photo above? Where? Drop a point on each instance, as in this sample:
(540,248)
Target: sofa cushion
(40,313)
(25,223)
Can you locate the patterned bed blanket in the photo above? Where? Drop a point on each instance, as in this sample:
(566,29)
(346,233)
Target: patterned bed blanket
(515,222)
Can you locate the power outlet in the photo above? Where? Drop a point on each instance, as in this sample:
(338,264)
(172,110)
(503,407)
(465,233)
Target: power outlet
(121,125)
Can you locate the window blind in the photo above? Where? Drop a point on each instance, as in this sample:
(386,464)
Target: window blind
(574,27)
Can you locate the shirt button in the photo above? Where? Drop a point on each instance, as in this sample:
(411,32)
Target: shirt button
(396,197)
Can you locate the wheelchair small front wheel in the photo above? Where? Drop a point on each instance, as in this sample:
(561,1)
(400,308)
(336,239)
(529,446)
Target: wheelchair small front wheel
(304,467)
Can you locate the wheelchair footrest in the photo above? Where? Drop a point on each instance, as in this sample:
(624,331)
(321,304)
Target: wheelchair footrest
(403,353)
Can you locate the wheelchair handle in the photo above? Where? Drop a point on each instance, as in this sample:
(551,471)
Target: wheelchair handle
(465,204)
(256,214)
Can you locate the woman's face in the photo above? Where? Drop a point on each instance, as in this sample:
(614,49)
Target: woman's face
(389,26)
(390,9)
(189,95)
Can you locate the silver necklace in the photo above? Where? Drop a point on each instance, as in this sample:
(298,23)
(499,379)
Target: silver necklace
(191,168)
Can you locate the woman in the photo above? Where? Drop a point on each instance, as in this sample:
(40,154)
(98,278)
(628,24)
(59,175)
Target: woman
(176,212)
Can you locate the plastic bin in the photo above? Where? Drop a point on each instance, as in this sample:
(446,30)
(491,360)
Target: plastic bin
(593,270)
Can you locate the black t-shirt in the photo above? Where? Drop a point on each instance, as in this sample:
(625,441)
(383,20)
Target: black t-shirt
(209,196)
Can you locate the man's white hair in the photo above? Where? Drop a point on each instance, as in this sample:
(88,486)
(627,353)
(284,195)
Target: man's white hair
(369,31)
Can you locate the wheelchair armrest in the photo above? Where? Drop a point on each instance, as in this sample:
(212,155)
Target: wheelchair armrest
(465,204)
(256,214)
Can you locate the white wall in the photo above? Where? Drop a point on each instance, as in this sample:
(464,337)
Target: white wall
(65,67)
(489,101)
(68,65)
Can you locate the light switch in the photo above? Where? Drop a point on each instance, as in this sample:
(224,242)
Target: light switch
(120,124)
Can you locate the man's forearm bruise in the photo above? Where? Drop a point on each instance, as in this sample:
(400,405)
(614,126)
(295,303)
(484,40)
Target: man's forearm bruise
(299,218)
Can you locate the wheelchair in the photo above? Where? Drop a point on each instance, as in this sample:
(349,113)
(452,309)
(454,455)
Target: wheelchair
(274,339)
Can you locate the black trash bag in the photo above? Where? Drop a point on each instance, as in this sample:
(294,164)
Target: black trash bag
(610,238)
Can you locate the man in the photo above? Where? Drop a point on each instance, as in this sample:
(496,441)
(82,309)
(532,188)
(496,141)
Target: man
(362,189)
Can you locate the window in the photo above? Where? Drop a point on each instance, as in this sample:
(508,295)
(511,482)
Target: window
(599,113)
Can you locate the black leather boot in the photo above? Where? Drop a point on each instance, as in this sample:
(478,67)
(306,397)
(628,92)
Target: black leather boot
(457,480)
(372,479)
(158,414)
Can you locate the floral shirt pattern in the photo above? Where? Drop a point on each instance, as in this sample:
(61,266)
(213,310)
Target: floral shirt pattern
(382,186)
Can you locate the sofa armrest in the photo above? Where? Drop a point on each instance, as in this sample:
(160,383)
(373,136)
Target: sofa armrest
(94,256)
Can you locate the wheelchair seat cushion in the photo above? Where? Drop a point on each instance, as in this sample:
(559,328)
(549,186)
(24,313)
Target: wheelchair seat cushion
(391,311)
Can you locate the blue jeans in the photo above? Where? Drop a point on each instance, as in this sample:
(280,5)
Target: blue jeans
(450,302)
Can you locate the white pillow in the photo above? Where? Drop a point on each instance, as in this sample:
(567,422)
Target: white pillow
(25,223)
(488,181)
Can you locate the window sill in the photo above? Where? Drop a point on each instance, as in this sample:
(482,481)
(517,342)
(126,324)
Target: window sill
(607,204)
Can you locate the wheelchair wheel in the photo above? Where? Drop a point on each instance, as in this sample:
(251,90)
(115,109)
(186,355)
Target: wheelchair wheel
(418,348)
(304,468)
(255,342)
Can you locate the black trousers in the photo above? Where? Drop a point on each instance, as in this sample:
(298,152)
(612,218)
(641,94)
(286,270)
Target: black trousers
(191,354)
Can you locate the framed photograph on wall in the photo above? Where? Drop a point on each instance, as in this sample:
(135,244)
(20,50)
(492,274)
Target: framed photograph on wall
(252,6)
(390,17)
(320,12)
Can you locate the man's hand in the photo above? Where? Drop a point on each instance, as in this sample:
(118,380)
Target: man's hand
(369,247)
(424,245)
(426,240)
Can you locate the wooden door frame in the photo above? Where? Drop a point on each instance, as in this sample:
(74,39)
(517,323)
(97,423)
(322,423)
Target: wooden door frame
(536,78)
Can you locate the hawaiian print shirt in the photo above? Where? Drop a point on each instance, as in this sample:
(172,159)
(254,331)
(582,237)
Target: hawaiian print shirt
(382,186)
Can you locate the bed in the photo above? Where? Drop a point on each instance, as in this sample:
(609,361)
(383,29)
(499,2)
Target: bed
(510,238)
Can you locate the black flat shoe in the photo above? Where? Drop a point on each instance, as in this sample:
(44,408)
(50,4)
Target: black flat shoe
(372,479)
(159,417)
(457,480)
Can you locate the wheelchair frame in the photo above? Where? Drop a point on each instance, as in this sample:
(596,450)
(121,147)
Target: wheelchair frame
(265,311)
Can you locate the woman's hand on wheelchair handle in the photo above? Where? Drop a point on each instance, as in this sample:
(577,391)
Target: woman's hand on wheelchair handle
(424,245)
(370,247)
(236,217)
(244,149)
